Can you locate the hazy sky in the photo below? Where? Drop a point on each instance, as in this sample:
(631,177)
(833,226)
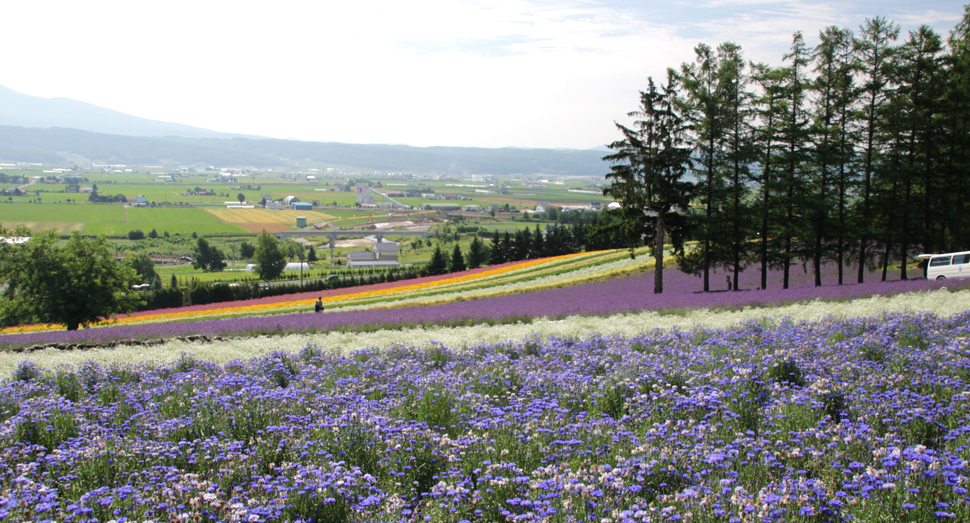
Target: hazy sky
(529,73)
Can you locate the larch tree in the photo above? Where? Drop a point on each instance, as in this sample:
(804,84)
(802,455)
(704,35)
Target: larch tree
(648,167)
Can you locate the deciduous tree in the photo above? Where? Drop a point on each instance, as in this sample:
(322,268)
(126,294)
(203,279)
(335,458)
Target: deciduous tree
(77,284)
(268,257)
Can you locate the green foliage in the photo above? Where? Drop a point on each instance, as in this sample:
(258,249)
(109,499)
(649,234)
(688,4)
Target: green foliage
(207,257)
(77,284)
(143,266)
(647,169)
(787,372)
(269,257)
(457,260)
(476,253)
(437,265)
(247,250)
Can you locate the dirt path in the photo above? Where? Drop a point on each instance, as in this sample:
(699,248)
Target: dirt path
(125,207)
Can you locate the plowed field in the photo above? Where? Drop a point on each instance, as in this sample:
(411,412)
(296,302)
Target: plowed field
(264,216)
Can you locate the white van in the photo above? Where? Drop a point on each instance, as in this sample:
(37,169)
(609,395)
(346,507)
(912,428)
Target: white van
(949,266)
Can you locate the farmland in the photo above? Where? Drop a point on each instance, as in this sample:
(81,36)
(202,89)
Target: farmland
(166,215)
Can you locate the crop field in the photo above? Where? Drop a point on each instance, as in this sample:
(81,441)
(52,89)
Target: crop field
(184,229)
(167,215)
(61,212)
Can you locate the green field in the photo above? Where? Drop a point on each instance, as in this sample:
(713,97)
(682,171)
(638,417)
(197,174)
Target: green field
(61,212)
(121,229)
(166,215)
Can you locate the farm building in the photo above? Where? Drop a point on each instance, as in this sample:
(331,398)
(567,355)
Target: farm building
(384,254)
(290,200)
(472,208)
(301,206)
(441,207)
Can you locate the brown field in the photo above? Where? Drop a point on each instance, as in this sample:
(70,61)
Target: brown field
(266,216)
(60,227)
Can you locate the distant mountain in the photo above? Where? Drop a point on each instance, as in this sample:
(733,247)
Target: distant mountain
(50,130)
(52,145)
(23,110)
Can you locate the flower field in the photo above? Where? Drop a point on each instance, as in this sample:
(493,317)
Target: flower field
(463,285)
(862,419)
(590,284)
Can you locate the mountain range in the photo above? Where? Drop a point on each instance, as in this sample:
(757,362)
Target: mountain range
(61,130)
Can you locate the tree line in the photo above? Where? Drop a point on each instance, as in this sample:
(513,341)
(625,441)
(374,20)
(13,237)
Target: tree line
(854,151)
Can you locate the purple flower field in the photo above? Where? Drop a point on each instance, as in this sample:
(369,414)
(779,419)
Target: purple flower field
(861,420)
(621,295)
(632,294)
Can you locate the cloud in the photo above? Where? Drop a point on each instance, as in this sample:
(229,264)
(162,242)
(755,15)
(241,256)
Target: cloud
(497,47)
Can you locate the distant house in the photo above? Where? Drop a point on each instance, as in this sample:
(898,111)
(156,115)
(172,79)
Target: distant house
(276,206)
(542,206)
(383,254)
(441,207)
(141,201)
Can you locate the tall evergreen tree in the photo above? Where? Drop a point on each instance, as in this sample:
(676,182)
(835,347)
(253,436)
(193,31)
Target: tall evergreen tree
(648,166)
(795,135)
(769,108)
(437,265)
(703,109)
(873,51)
(508,247)
(954,235)
(476,254)
(828,107)
(497,254)
(919,76)
(739,154)
(538,248)
(457,260)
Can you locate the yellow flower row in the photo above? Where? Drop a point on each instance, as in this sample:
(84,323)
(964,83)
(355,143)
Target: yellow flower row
(302,303)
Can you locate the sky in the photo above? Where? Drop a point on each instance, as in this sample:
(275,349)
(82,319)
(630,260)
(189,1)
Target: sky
(497,73)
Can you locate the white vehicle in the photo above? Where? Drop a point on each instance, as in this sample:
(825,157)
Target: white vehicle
(949,266)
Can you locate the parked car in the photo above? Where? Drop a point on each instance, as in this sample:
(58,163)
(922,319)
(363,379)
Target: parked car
(952,265)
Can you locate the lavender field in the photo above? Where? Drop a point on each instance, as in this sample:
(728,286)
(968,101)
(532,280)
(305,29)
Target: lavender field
(617,296)
(772,420)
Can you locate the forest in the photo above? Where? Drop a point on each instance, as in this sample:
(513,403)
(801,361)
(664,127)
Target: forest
(854,152)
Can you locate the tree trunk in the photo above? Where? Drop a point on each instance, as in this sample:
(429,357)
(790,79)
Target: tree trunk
(658,255)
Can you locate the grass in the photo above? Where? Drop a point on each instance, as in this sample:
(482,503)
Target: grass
(121,229)
(166,215)
(60,212)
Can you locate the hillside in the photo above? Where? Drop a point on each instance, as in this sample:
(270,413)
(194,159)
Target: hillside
(48,145)
(21,110)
